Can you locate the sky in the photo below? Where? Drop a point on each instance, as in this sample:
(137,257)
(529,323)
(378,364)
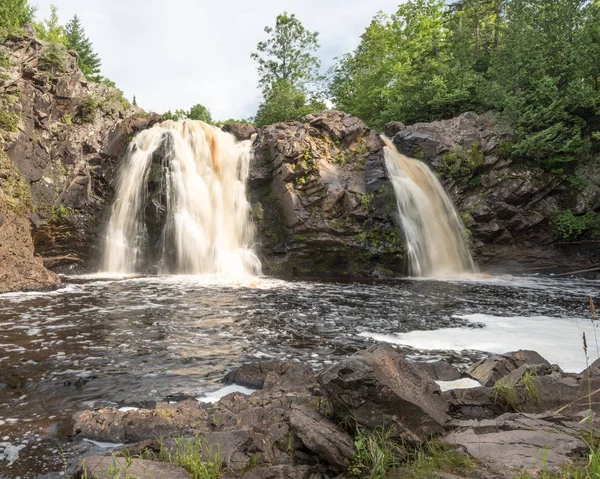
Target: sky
(173,54)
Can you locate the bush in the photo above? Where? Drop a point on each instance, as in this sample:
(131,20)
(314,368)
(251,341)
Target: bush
(88,108)
(571,227)
(52,59)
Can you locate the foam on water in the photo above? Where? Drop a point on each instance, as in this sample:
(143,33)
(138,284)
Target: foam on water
(559,340)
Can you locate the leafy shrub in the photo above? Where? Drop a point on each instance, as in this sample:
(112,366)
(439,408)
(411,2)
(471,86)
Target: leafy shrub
(9,121)
(88,108)
(53,58)
(462,161)
(571,227)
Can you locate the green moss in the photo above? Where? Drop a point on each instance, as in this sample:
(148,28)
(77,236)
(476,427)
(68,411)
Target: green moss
(15,193)
(387,240)
(462,161)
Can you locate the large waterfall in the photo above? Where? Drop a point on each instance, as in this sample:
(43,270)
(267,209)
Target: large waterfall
(181,205)
(435,237)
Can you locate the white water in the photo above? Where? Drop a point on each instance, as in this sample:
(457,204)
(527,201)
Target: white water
(207,227)
(436,243)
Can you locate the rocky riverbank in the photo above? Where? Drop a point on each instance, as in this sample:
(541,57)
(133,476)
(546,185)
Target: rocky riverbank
(523,416)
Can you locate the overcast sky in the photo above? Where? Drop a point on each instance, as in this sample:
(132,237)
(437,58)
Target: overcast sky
(176,53)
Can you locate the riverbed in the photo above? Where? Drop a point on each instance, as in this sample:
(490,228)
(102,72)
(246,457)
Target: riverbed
(129,341)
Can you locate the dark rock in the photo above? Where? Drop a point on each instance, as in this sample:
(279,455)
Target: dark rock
(392,128)
(321,201)
(377,386)
(241,131)
(322,437)
(283,472)
(276,373)
(438,370)
(103,467)
(473,403)
(516,441)
(489,370)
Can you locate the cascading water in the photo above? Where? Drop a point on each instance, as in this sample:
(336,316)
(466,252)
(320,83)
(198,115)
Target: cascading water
(181,204)
(435,236)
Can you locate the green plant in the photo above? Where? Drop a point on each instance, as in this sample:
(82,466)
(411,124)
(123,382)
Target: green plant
(505,393)
(9,121)
(531,388)
(201,460)
(377,454)
(572,227)
(436,456)
(88,108)
(462,161)
(52,59)
(578,182)
(4,60)
(67,119)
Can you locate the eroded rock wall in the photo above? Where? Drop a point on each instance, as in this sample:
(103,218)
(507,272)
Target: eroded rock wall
(508,205)
(321,201)
(62,136)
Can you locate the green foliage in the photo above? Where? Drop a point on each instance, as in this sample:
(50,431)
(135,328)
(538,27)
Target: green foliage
(288,54)
(288,71)
(9,121)
(76,39)
(505,393)
(195,456)
(88,108)
(436,456)
(67,119)
(196,112)
(50,29)
(285,102)
(535,62)
(4,60)
(377,454)
(512,395)
(14,14)
(15,194)
(52,59)
(571,227)
(578,182)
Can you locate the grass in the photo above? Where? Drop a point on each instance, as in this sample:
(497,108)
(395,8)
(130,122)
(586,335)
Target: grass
(514,396)
(376,454)
(195,456)
(436,456)
(9,121)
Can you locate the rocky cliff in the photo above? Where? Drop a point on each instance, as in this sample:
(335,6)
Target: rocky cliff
(321,200)
(60,139)
(518,214)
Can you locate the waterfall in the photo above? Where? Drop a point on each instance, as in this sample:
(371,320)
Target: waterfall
(435,237)
(180,204)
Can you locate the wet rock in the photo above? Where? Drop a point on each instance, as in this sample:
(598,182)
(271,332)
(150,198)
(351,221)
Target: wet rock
(392,128)
(241,131)
(103,467)
(322,437)
(377,386)
(270,374)
(473,403)
(489,370)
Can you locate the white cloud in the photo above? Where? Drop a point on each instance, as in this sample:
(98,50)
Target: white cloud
(176,53)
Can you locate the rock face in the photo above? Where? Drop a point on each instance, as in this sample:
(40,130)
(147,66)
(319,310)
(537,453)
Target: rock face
(378,386)
(63,137)
(508,205)
(321,200)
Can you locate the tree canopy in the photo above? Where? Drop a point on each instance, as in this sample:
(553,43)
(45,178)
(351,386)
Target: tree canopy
(14,14)
(288,71)
(89,61)
(534,62)
(196,112)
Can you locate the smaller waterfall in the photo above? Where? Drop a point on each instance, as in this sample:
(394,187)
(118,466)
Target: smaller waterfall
(181,204)
(434,233)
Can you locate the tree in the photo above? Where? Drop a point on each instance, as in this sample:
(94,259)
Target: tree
(287,55)
(196,112)
(134,101)
(285,102)
(14,14)
(288,72)
(50,29)
(89,61)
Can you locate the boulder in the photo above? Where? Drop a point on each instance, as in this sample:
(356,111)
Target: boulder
(378,387)
(107,467)
(491,369)
(241,131)
(438,370)
(322,437)
(270,374)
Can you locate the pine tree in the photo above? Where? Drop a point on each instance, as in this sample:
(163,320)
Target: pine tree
(89,61)
(134,101)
